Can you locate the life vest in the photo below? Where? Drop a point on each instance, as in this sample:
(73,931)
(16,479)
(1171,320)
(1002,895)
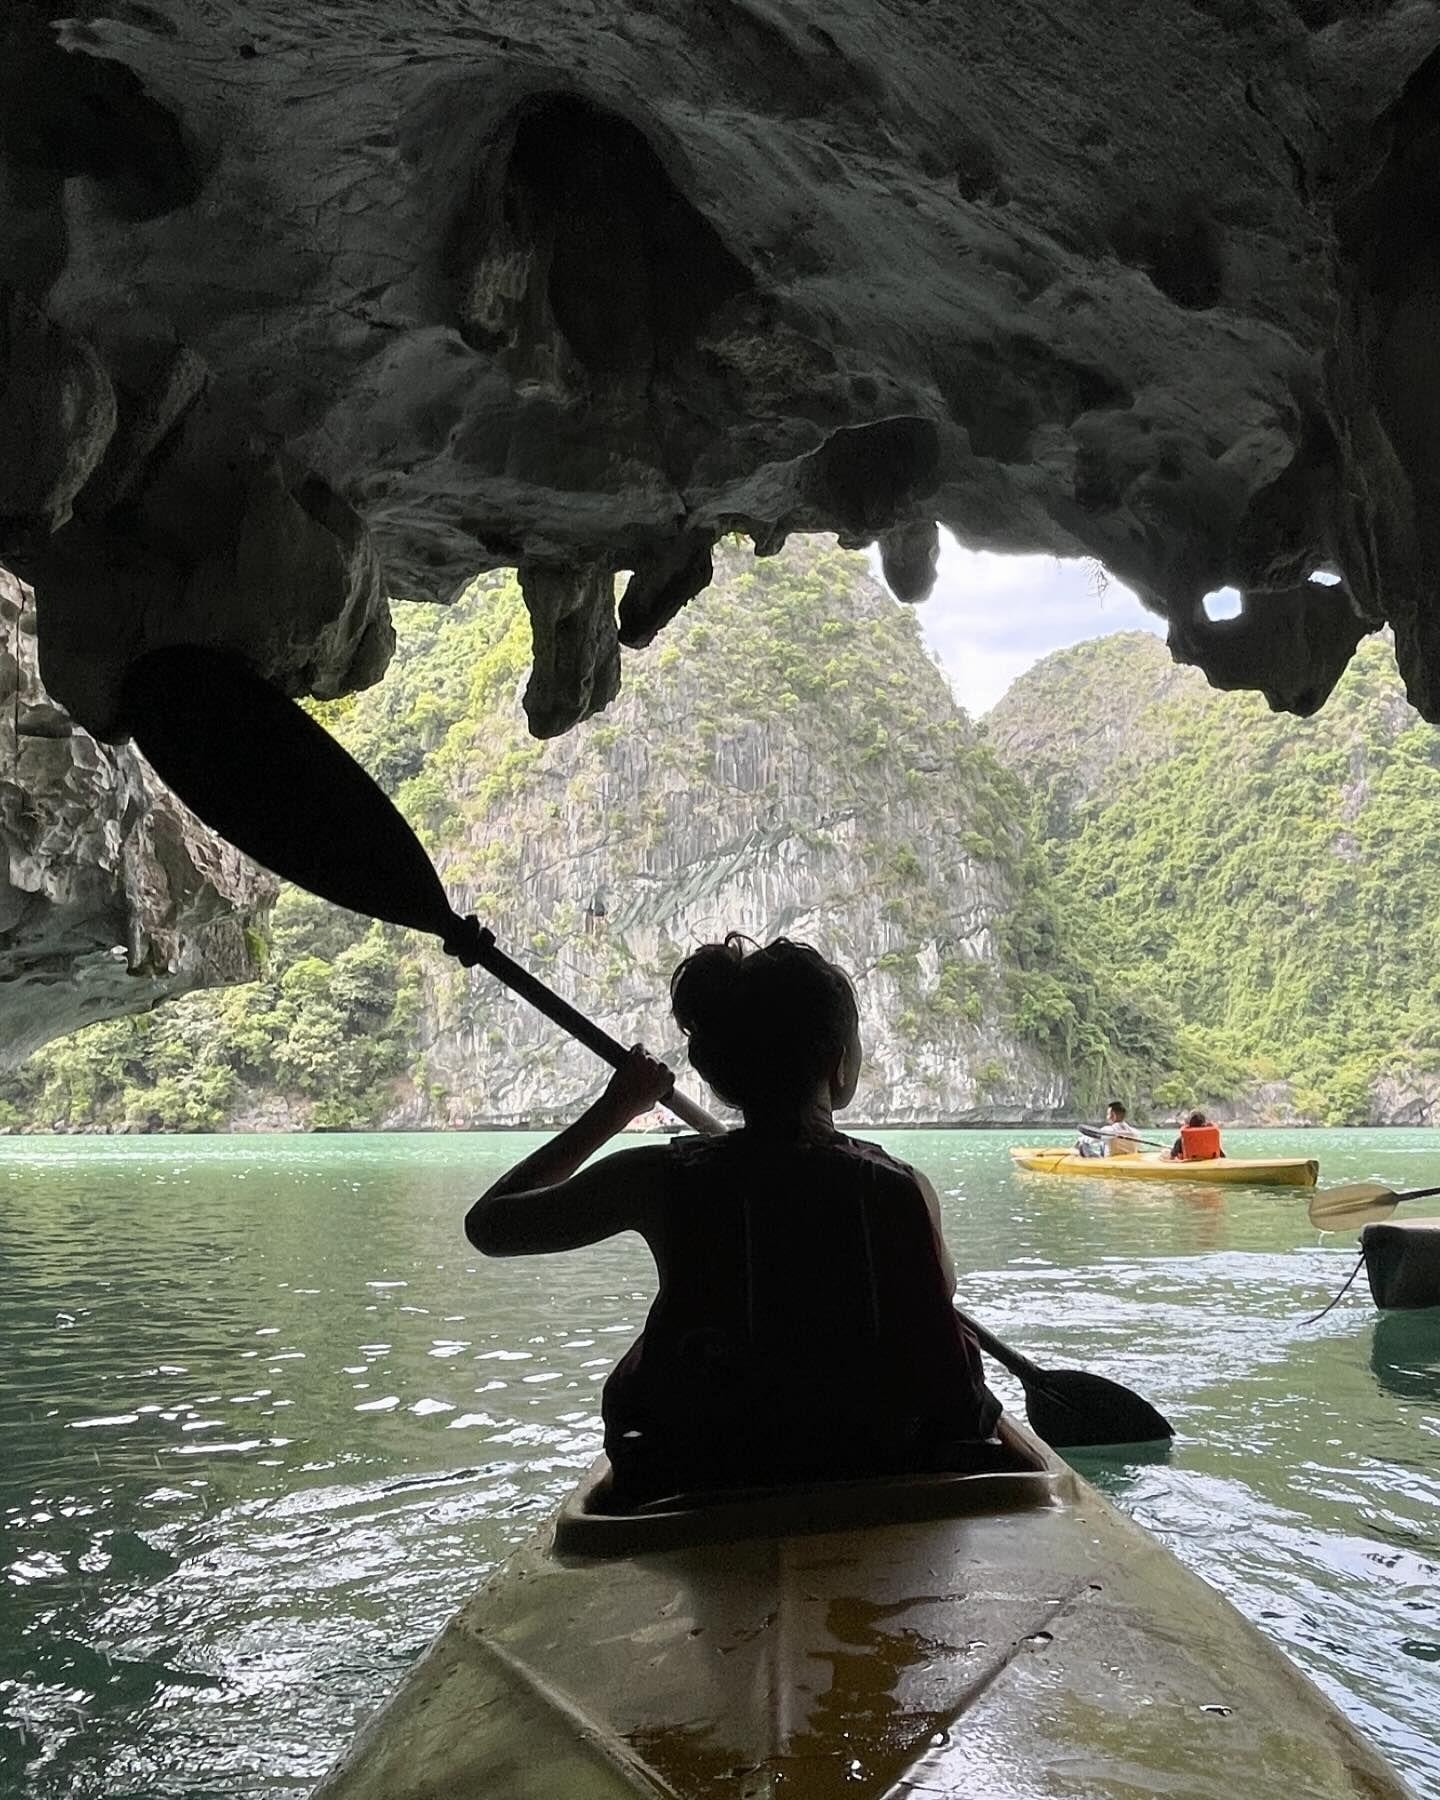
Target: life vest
(1199,1143)
(803,1327)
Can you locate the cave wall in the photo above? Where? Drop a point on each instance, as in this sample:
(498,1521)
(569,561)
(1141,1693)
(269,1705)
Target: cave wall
(112,896)
(308,303)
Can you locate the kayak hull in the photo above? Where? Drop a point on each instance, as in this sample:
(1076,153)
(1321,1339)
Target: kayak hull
(1041,1646)
(1238,1171)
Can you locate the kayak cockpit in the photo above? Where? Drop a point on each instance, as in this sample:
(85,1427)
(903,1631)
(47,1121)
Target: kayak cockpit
(1002,1633)
(1003,1474)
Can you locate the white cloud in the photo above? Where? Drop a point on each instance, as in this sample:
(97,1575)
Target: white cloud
(990,616)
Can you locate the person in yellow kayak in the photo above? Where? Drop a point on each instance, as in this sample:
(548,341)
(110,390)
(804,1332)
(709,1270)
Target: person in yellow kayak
(1199,1140)
(804,1326)
(1116,1137)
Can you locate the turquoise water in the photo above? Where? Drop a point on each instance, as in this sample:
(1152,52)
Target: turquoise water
(267,1419)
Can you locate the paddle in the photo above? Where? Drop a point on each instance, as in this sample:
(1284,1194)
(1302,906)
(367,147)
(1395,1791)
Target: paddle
(1360,1203)
(1093,1131)
(261,772)
(1071,1408)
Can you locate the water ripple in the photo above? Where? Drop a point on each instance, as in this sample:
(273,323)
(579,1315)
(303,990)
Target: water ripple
(249,1469)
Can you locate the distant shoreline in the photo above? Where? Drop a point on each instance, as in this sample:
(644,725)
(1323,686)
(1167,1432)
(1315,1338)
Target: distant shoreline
(487,1130)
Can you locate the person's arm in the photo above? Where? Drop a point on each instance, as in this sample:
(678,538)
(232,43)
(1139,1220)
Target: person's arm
(932,1206)
(542,1205)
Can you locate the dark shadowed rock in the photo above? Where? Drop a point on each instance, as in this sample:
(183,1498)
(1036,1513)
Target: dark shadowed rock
(311,303)
(112,896)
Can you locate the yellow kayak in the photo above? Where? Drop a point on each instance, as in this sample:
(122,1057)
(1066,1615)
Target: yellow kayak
(1247,1171)
(1005,1634)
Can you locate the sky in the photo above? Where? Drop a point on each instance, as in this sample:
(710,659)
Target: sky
(991,616)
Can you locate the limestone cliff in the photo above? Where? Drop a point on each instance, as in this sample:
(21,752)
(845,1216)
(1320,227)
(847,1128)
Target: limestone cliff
(1267,879)
(791,763)
(789,760)
(1088,720)
(112,897)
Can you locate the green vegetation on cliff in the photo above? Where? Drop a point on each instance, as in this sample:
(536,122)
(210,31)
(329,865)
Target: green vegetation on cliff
(330,1027)
(785,758)
(1266,879)
(1125,880)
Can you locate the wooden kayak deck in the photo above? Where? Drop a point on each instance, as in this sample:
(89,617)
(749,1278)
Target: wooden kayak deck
(1045,1648)
(1246,1171)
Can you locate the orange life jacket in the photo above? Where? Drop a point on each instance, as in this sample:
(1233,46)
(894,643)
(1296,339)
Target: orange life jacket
(1199,1143)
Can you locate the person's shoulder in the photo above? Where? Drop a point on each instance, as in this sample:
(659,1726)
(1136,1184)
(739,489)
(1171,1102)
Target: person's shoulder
(697,1156)
(641,1163)
(865,1147)
(875,1155)
(688,1146)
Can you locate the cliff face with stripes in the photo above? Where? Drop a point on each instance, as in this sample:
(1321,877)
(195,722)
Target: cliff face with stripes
(791,763)
(788,761)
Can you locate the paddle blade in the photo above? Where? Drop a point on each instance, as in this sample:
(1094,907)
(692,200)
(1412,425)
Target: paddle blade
(1358,1203)
(1072,1409)
(261,772)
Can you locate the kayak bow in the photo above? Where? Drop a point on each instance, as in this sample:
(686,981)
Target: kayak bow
(1003,1634)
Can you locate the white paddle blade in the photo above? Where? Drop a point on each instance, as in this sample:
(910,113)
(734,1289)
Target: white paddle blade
(1360,1203)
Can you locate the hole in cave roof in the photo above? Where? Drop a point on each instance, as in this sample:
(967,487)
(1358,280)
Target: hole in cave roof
(1223,603)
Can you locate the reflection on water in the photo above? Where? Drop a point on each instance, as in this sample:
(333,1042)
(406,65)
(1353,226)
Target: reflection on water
(1405,1354)
(267,1419)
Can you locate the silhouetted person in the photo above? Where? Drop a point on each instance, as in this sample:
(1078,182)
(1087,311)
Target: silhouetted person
(803,1327)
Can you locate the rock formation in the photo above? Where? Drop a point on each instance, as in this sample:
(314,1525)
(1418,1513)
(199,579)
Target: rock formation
(789,761)
(1262,880)
(734,789)
(308,302)
(112,897)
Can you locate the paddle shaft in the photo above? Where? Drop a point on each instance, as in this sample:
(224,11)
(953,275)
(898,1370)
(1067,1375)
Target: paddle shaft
(1093,1131)
(1018,1365)
(494,961)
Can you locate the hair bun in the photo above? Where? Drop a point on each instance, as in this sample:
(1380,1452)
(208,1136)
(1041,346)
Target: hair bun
(765,1025)
(704,987)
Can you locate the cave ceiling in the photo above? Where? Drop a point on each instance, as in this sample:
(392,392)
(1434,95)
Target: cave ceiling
(307,303)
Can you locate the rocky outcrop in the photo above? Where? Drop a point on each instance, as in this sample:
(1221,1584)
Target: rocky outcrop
(307,302)
(732,789)
(112,897)
(1405,1098)
(1089,718)
(489,1058)
(1262,878)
